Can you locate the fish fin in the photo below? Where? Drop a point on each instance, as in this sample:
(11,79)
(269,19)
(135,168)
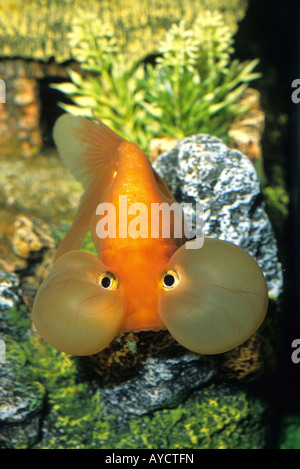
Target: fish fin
(75,236)
(163,188)
(91,151)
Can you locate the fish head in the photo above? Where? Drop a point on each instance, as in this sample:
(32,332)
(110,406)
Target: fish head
(140,273)
(210,300)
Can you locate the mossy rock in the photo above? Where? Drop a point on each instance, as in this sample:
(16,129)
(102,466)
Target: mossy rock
(48,202)
(65,406)
(22,399)
(216,417)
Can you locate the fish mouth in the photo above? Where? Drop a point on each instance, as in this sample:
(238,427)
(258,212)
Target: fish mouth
(147,329)
(143,328)
(142,321)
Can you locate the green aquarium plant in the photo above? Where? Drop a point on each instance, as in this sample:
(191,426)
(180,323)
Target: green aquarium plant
(193,86)
(196,86)
(109,87)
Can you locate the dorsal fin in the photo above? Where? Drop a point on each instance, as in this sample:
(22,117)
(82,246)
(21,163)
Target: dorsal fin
(91,151)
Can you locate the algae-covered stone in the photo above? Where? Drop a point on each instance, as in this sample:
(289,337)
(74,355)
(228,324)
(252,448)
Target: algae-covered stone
(160,383)
(21,395)
(80,413)
(21,400)
(216,417)
(9,286)
(14,317)
(160,374)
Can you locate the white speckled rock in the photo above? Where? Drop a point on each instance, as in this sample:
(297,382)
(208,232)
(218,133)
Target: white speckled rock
(9,296)
(160,382)
(202,169)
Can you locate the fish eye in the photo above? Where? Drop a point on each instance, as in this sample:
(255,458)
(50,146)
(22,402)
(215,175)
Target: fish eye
(170,279)
(108,281)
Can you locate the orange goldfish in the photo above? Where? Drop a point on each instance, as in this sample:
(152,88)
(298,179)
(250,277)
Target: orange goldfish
(210,299)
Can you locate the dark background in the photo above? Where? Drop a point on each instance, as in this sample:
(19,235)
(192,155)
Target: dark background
(270,31)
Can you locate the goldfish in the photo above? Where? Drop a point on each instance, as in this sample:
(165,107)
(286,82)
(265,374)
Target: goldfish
(210,298)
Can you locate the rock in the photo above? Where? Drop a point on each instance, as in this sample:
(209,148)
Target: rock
(51,192)
(150,408)
(214,415)
(30,238)
(140,373)
(219,416)
(31,251)
(203,170)
(246,130)
(21,401)
(21,396)
(29,120)
(159,146)
(28,247)
(145,390)
(25,91)
(160,383)
(9,296)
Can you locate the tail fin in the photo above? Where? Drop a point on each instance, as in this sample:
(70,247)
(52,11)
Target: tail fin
(91,151)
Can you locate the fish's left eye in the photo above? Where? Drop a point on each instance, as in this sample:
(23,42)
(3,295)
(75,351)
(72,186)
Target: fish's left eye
(170,279)
(108,281)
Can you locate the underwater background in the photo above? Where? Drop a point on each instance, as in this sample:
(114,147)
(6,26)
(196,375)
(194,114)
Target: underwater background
(205,84)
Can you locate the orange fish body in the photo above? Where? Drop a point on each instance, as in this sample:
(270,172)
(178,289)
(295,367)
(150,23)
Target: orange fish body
(139,262)
(210,299)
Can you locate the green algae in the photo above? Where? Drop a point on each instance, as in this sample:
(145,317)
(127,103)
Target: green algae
(19,320)
(277,206)
(75,419)
(22,399)
(72,415)
(211,419)
(290,432)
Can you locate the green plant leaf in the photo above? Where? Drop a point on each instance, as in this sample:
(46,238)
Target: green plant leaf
(193,86)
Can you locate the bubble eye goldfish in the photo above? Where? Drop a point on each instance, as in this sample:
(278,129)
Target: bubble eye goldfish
(210,299)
